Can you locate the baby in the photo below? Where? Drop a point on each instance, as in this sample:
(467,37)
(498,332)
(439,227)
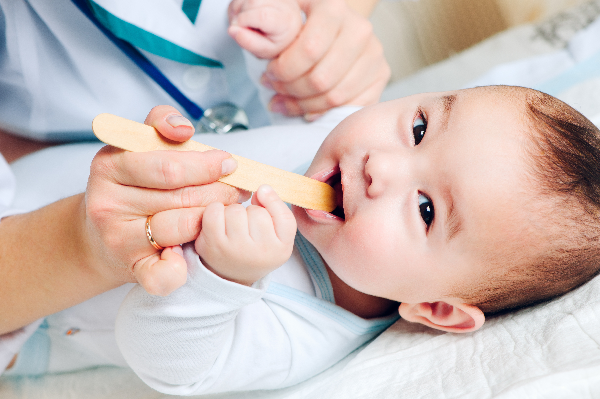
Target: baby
(451,206)
(454,205)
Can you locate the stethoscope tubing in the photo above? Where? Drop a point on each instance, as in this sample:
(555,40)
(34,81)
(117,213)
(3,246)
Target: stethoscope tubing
(195,111)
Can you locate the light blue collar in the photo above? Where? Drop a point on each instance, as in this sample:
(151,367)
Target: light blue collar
(326,304)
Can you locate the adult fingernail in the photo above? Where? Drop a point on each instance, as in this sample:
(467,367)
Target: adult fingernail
(233,30)
(178,250)
(266,82)
(244,196)
(311,117)
(265,189)
(277,106)
(270,75)
(178,120)
(228,166)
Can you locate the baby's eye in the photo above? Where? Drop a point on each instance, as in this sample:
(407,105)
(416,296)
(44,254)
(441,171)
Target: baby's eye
(419,128)
(426,209)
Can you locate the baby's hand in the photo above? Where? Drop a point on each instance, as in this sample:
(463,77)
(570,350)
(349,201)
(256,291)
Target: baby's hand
(264,27)
(245,244)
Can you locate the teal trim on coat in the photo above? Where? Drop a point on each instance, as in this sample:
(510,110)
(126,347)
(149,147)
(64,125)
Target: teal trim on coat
(149,41)
(191,8)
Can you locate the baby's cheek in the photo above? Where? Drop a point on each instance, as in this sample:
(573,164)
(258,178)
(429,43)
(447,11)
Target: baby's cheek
(361,257)
(371,238)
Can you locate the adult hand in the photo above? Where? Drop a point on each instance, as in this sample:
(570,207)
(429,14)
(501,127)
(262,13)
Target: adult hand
(335,60)
(81,246)
(125,188)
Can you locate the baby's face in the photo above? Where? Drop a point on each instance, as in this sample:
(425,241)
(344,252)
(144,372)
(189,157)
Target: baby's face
(432,185)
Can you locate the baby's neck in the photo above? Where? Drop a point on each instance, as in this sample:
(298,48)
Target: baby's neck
(361,304)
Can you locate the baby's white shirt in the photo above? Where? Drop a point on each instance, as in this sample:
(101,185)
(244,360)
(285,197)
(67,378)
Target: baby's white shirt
(213,335)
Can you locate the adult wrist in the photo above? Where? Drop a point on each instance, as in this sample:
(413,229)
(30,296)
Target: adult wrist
(93,257)
(47,263)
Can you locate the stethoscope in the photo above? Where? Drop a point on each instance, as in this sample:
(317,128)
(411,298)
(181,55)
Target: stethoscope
(223,118)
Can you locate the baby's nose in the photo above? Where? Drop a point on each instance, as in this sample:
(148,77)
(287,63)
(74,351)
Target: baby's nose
(384,169)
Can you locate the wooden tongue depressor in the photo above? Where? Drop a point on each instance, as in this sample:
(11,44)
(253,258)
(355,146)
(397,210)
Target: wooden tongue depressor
(249,175)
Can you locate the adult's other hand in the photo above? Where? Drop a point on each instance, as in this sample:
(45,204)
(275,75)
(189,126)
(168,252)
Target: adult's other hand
(76,248)
(335,60)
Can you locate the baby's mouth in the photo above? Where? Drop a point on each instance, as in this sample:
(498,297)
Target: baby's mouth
(335,181)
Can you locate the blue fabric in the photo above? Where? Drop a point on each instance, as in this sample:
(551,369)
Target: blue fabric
(2,35)
(33,357)
(349,320)
(581,72)
(326,304)
(316,267)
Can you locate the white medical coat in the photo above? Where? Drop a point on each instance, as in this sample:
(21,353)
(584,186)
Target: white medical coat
(58,71)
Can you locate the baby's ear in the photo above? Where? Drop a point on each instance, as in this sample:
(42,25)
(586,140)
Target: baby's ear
(446,316)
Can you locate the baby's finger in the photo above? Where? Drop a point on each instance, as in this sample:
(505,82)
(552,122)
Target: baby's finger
(283,219)
(161,274)
(255,42)
(254,200)
(235,6)
(264,19)
(236,223)
(260,225)
(213,223)
(170,123)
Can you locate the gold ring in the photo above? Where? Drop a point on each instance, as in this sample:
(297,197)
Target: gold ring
(149,234)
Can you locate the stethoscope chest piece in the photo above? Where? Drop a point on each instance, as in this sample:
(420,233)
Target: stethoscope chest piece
(223,118)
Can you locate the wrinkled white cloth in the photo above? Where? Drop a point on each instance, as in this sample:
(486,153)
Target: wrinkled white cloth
(572,74)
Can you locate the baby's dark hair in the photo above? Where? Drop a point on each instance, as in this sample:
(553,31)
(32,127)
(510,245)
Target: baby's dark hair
(565,173)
